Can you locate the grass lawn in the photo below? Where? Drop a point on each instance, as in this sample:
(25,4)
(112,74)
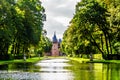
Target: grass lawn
(83,60)
(80,60)
(32,60)
(104,61)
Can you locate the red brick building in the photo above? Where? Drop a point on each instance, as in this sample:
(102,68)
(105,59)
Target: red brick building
(55,46)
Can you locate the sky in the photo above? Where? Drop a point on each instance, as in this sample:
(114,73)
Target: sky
(58,15)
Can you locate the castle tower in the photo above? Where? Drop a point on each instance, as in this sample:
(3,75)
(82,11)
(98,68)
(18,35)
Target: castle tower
(55,46)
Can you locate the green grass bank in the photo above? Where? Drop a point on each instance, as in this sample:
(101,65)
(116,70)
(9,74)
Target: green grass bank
(32,60)
(83,60)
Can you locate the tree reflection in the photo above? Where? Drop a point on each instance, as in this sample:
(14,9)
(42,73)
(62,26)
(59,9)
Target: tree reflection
(95,71)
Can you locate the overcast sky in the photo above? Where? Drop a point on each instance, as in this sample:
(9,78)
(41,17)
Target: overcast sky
(59,13)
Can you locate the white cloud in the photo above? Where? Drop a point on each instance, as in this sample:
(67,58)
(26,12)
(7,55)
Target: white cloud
(61,6)
(59,13)
(63,20)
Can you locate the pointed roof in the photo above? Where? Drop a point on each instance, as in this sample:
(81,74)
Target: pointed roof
(60,40)
(55,38)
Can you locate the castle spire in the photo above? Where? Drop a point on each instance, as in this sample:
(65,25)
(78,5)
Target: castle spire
(54,38)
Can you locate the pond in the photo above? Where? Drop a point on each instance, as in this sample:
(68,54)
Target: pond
(59,69)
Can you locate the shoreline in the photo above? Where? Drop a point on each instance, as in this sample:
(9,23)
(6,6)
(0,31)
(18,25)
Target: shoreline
(80,60)
(83,60)
(29,60)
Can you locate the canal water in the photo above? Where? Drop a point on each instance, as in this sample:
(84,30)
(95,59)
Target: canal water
(59,69)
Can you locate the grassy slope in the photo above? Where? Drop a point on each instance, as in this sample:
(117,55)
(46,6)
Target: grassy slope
(81,60)
(105,61)
(32,60)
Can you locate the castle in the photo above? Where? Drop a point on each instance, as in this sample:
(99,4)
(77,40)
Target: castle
(55,51)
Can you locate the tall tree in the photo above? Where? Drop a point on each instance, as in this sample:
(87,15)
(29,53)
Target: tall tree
(6,27)
(92,28)
(21,23)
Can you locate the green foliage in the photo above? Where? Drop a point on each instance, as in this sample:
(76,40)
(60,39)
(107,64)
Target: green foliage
(45,44)
(93,29)
(21,23)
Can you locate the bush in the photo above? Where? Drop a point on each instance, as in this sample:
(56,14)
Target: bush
(112,57)
(6,57)
(20,56)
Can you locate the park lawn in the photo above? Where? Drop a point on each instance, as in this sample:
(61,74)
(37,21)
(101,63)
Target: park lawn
(32,60)
(104,61)
(80,60)
(83,60)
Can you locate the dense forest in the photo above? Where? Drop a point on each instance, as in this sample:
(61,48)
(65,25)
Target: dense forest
(21,28)
(94,29)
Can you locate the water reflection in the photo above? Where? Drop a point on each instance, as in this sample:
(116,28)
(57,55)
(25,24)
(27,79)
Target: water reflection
(50,69)
(59,69)
(95,71)
(28,67)
(53,69)
(16,75)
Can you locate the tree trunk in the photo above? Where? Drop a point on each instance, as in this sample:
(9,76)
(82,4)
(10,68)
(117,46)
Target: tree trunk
(106,41)
(102,42)
(96,45)
(110,44)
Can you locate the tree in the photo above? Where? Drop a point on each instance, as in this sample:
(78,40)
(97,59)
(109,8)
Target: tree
(45,44)
(21,24)
(6,28)
(91,29)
